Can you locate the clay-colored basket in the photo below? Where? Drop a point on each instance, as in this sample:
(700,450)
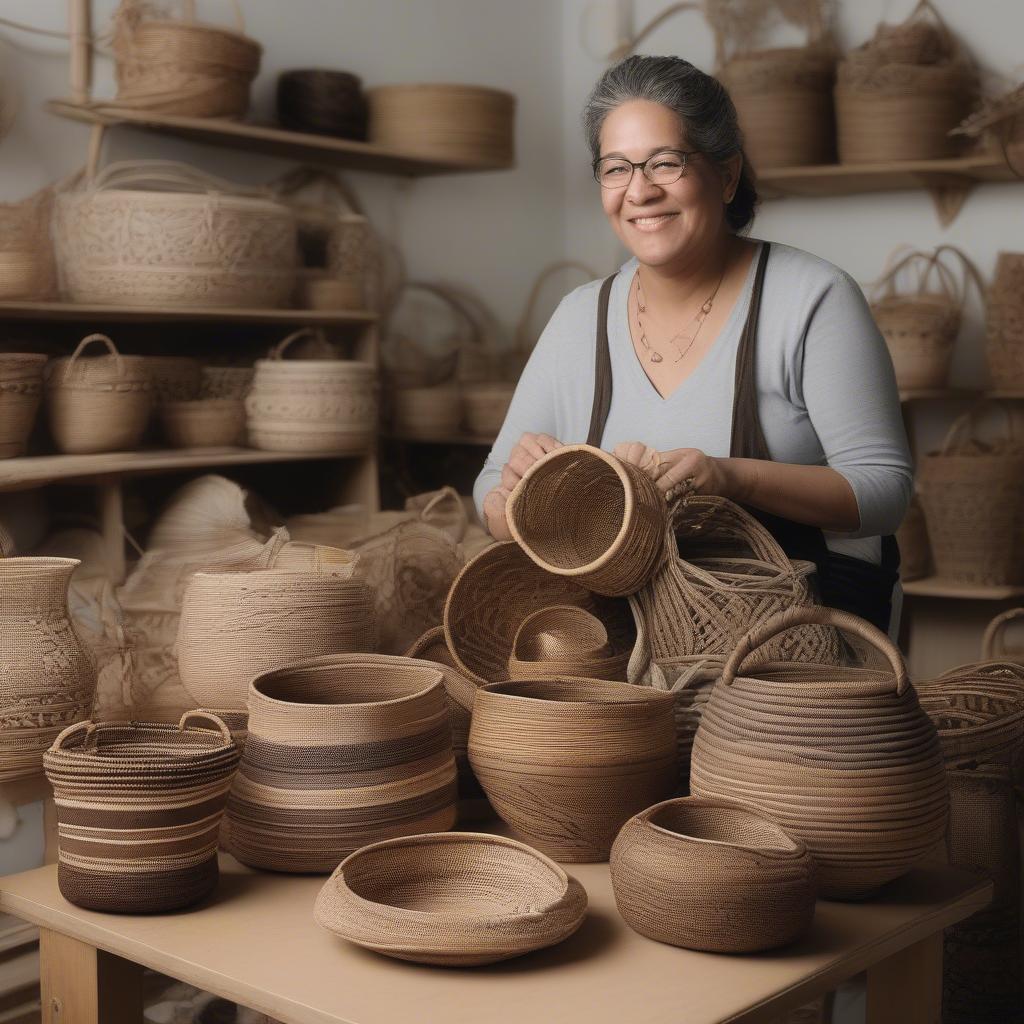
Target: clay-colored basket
(21,389)
(565,640)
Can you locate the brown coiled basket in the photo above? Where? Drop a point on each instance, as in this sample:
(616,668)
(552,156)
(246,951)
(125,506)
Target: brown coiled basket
(565,641)
(21,387)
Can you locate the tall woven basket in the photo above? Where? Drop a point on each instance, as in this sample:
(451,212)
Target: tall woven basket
(1004,323)
(21,388)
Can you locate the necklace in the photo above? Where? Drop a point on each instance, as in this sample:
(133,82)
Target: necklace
(698,322)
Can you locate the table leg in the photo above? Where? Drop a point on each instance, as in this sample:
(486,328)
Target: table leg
(84,985)
(907,987)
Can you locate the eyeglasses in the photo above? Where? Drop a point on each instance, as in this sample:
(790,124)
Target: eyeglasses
(661,169)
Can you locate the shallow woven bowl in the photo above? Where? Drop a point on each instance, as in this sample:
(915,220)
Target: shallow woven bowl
(712,875)
(456,899)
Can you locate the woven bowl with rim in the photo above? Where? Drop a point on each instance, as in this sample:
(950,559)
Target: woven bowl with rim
(712,875)
(456,899)
(565,641)
(583,513)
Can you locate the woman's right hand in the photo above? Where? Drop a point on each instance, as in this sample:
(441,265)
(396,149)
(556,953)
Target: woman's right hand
(529,449)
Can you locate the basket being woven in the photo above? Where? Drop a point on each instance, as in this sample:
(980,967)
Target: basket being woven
(712,875)
(21,388)
(457,899)
(562,641)
(138,811)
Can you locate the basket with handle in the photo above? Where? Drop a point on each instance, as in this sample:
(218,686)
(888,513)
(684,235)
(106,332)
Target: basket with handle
(972,492)
(100,404)
(21,389)
(843,758)
(993,642)
(139,807)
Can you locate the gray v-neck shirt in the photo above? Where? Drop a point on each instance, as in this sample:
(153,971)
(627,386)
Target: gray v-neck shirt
(826,391)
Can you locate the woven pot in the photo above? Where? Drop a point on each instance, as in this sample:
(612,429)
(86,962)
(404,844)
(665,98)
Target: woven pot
(485,407)
(583,513)
(160,233)
(993,642)
(47,679)
(341,752)
(972,493)
(565,641)
(843,759)
(21,387)
(566,762)
(204,423)
(912,538)
(175,378)
(226,381)
(311,405)
(457,899)
(182,67)
(100,404)
(322,102)
(24,274)
(712,875)
(426,412)
(138,811)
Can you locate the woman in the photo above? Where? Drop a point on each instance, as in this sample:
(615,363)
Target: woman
(753,369)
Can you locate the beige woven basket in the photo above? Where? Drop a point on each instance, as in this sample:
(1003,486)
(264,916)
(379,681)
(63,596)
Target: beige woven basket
(320,289)
(458,899)
(27,268)
(1004,345)
(21,388)
(175,378)
(226,381)
(972,493)
(713,875)
(485,406)
(22,274)
(161,233)
(565,641)
(311,405)
(843,759)
(182,67)
(912,538)
(204,423)
(566,761)
(583,513)
(100,404)
(426,412)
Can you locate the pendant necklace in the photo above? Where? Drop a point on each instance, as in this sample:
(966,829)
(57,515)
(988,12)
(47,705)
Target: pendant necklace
(702,314)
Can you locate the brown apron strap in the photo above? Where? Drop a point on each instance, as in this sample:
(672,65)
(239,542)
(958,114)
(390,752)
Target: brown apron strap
(602,368)
(747,436)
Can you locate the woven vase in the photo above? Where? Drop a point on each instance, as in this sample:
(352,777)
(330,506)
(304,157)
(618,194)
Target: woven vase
(844,759)
(21,387)
(565,762)
(341,752)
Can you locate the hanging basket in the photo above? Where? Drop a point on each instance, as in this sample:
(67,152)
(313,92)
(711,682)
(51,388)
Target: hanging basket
(21,388)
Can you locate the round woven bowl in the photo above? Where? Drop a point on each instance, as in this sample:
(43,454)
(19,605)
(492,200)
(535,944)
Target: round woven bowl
(581,512)
(457,899)
(204,423)
(712,875)
(566,762)
(21,388)
(565,640)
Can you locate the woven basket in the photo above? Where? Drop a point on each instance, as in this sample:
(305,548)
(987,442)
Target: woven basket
(321,289)
(175,378)
(712,875)
(138,811)
(565,641)
(27,268)
(182,67)
(160,233)
(341,752)
(226,381)
(311,405)
(972,493)
(323,102)
(1004,323)
(993,642)
(485,406)
(451,123)
(237,624)
(204,423)
(843,759)
(22,274)
(583,513)
(912,538)
(21,388)
(457,899)
(426,412)
(566,762)
(100,404)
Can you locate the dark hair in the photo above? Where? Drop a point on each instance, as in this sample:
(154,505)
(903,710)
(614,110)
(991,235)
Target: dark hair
(701,103)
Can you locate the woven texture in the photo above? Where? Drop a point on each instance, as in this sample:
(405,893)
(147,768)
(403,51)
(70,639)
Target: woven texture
(204,423)
(175,378)
(138,811)
(27,267)
(712,875)
(843,759)
(459,899)
(912,538)
(323,102)
(565,641)
(21,388)
(583,513)
(1004,322)
(484,407)
(342,751)
(226,381)
(47,680)
(429,413)
(566,762)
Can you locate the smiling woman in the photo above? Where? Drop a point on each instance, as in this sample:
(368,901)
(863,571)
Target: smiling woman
(750,367)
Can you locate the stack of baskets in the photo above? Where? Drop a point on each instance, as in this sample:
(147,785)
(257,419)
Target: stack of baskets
(21,387)
(1004,346)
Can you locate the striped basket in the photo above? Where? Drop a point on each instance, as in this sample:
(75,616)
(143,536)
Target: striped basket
(139,808)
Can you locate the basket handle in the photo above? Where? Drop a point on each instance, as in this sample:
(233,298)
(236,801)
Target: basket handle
(522,330)
(278,351)
(173,173)
(816,615)
(65,734)
(207,716)
(969,421)
(991,648)
(901,259)
(84,343)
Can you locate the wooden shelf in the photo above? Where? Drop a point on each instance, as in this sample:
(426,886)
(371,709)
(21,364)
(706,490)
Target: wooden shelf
(469,440)
(936,586)
(358,156)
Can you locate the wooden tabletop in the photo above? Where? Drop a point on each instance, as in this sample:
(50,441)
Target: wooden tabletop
(255,942)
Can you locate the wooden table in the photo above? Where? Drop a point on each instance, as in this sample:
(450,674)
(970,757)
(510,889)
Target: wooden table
(255,942)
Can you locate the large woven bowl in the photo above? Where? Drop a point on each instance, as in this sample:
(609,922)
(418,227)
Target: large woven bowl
(21,387)
(457,899)
(583,513)
(565,641)
(712,875)
(843,759)
(566,762)
(342,751)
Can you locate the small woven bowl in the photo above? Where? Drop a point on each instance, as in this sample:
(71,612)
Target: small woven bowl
(565,641)
(712,875)
(456,899)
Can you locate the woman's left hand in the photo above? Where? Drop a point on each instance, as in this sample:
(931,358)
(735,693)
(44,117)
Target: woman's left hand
(670,470)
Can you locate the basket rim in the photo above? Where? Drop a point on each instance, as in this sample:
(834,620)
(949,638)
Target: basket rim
(200,26)
(251,204)
(645,695)
(466,89)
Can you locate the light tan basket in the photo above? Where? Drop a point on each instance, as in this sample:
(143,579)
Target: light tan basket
(100,404)
(320,289)
(161,233)
(175,378)
(1004,345)
(486,406)
(459,899)
(311,405)
(204,423)
(21,388)
(27,268)
(426,412)
(182,67)
(972,493)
